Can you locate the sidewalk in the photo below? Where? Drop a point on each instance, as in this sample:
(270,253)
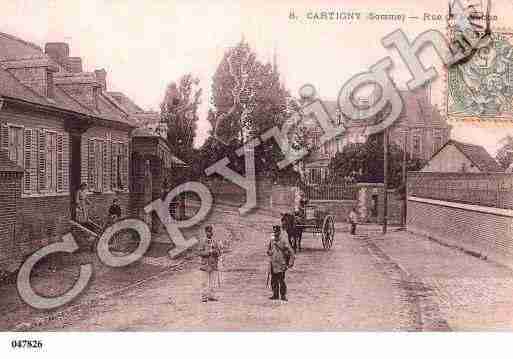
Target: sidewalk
(54,276)
(471,293)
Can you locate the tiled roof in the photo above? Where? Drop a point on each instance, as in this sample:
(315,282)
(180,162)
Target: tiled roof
(11,87)
(125,102)
(478,156)
(13,48)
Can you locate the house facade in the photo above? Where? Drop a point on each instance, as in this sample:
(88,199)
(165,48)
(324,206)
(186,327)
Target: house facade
(461,157)
(60,125)
(420,130)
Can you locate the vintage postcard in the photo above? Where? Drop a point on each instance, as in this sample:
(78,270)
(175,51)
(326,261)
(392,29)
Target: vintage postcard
(242,166)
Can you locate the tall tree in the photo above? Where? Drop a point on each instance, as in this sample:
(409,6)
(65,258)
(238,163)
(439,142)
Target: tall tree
(179,112)
(505,153)
(247,100)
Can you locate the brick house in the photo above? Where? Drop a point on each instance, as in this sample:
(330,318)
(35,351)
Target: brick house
(62,127)
(420,130)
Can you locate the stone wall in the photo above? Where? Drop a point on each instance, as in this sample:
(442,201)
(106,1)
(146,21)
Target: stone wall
(486,231)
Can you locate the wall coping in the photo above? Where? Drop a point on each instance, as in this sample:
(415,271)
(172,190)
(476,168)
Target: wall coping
(366,184)
(469,207)
(333,201)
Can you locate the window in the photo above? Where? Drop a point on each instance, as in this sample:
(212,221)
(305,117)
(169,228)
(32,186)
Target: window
(119,166)
(315,140)
(107,165)
(16,145)
(41,153)
(416,145)
(437,142)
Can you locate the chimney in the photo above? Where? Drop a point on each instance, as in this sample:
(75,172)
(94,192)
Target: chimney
(49,84)
(57,51)
(73,64)
(96,95)
(101,77)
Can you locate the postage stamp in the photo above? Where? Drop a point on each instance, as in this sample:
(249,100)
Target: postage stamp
(481,90)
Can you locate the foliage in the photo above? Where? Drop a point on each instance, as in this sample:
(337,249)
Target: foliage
(179,112)
(247,100)
(364,162)
(505,154)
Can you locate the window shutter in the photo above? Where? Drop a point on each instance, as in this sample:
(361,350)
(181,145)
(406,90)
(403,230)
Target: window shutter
(4,139)
(42,160)
(33,162)
(106,166)
(124,165)
(114,167)
(90,164)
(98,145)
(65,162)
(27,160)
(60,164)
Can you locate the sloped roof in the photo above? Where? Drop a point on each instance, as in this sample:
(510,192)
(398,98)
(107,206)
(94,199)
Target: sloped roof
(13,48)
(129,105)
(476,154)
(11,87)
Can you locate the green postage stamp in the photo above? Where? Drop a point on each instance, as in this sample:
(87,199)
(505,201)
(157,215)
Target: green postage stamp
(482,88)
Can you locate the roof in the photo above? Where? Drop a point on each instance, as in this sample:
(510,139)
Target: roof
(13,48)
(129,105)
(6,165)
(417,109)
(476,154)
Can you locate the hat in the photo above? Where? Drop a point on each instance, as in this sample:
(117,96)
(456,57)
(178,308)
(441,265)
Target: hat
(277,229)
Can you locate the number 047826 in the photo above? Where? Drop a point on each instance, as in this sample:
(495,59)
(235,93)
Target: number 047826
(26,344)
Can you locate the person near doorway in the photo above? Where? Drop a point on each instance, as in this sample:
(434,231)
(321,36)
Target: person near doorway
(353,220)
(82,203)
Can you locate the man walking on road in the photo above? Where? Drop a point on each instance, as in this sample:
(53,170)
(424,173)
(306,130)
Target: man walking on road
(353,220)
(281,258)
(209,250)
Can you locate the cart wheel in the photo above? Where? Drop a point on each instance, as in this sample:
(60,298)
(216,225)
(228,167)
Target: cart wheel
(328,232)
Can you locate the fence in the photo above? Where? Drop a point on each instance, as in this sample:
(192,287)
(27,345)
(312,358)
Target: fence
(331,192)
(490,190)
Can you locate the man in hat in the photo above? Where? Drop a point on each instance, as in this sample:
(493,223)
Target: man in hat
(209,250)
(281,258)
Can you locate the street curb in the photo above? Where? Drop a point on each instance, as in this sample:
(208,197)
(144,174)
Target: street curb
(61,314)
(464,250)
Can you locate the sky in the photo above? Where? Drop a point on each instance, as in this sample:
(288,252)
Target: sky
(144,45)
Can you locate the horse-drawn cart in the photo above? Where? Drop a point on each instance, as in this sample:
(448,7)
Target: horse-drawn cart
(318,222)
(311,220)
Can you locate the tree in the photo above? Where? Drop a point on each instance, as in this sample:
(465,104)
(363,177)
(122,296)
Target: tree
(179,112)
(505,153)
(364,162)
(247,100)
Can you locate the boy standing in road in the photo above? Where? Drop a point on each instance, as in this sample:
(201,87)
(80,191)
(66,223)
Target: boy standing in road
(281,259)
(209,250)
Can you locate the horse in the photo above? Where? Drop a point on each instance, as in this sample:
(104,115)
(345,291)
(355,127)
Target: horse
(294,232)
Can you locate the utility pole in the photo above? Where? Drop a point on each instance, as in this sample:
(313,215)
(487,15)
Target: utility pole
(385,179)
(405,202)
